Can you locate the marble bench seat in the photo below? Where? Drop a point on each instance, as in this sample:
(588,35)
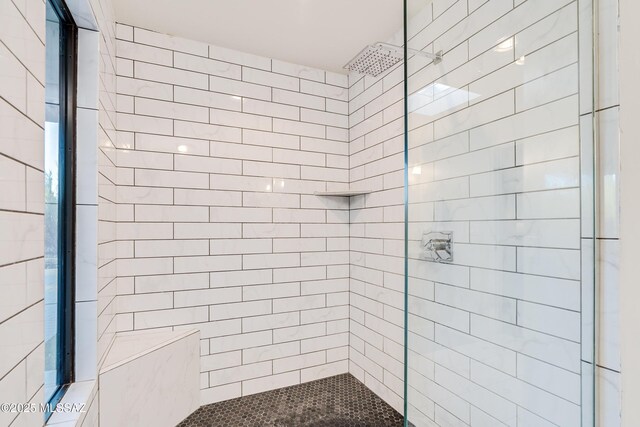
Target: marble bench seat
(150,378)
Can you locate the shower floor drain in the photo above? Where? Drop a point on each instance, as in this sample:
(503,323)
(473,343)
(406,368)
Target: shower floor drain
(339,401)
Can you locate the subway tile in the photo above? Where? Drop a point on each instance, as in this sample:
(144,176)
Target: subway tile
(298,157)
(205,65)
(560,263)
(144,53)
(146,302)
(195,230)
(257,292)
(197,264)
(198,297)
(270,261)
(553,27)
(275,170)
(324,90)
(19,37)
(269,352)
(550,378)
(298,99)
(240,277)
(170,317)
(608,81)
(270,230)
(529,397)
(511,23)
(491,403)
(266,78)
(239,214)
(323,371)
(239,88)
(35,94)
(171,282)
(324,118)
(551,233)
(549,117)
(206,131)
(144,266)
(551,320)
(270,139)
(132,230)
(221,393)
(239,342)
(206,164)
(220,361)
(161,248)
(236,57)
(293,363)
(259,385)
(241,120)
(206,98)
(477,349)
(298,128)
(479,208)
(322,343)
(547,89)
(22,333)
(556,351)
(274,200)
(141,159)
(168,42)
(170,144)
(240,151)
(22,235)
(23,285)
(549,204)
(13,185)
(162,74)
(488,305)
(168,178)
(270,321)
(242,309)
(536,65)
(325,146)
(14,80)
(297,71)
(337,79)
(134,123)
(527,178)
(271,109)
(124,32)
(543,290)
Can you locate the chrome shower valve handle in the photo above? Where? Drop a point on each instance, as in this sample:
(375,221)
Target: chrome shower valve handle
(437,246)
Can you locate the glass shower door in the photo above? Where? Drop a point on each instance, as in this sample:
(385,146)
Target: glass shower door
(498,326)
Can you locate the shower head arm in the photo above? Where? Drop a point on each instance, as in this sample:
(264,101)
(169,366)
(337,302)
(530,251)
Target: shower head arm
(375,59)
(437,57)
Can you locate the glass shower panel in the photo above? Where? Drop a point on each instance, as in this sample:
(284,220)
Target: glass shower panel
(495,332)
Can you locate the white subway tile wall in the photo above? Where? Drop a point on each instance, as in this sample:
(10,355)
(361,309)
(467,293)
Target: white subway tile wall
(107,208)
(495,152)
(22,70)
(207,217)
(218,227)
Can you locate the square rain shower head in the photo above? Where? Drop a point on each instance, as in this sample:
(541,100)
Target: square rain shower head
(375,59)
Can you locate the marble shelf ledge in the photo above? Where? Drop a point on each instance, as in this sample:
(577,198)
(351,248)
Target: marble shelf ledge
(346,193)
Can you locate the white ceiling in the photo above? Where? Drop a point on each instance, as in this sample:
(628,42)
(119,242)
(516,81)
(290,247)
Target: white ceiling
(323,34)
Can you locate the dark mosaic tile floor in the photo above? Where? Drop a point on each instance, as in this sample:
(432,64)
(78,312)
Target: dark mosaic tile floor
(340,401)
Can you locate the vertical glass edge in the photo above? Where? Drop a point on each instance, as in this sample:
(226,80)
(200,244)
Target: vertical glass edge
(406,220)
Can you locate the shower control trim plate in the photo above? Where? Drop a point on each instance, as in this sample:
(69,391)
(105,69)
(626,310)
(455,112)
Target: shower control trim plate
(437,246)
